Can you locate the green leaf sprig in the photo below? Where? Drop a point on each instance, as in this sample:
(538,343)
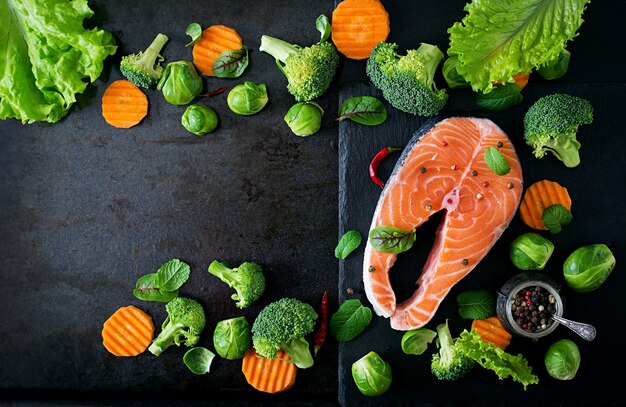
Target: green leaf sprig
(556,216)
(476,304)
(500,98)
(232,63)
(496,161)
(390,239)
(194,30)
(365,110)
(350,320)
(163,285)
(348,243)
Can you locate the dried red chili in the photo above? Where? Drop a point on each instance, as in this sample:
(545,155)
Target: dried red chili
(375,163)
(322,329)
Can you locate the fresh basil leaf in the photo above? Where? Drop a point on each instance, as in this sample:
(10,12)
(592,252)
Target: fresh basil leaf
(323,26)
(198,360)
(194,30)
(389,239)
(350,320)
(476,304)
(348,243)
(557,68)
(172,275)
(500,98)
(416,342)
(365,110)
(147,289)
(231,64)
(555,217)
(496,161)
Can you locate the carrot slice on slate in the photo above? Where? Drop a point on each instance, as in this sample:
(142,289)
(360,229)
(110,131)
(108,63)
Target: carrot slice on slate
(128,332)
(358,25)
(538,197)
(491,330)
(213,42)
(124,104)
(269,375)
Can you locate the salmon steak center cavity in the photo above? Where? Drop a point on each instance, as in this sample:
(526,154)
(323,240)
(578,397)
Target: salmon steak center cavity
(443,169)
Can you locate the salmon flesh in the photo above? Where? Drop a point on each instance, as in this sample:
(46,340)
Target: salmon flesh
(443,168)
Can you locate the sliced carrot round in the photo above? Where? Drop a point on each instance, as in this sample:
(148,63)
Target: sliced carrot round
(491,330)
(128,332)
(538,197)
(358,26)
(269,375)
(521,79)
(124,104)
(213,42)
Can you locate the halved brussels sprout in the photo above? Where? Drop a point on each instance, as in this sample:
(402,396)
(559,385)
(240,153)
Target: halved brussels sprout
(304,118)
(530,251)
(247,98)
(562,360)
(588,267)
(180,83)
(371,374)
(199,119)
(232,338)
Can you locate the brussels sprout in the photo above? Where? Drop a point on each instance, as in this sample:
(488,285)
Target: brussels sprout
(247,98)
(588,267)
(199,120)
(371,374)
(180,83)
(232,338)
(562,360)
(530,251)
(304,118)
(198,360)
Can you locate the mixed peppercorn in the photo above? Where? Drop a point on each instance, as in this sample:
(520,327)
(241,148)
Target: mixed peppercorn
(532,308)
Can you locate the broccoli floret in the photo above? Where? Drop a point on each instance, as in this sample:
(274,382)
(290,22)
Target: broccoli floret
(283,325)
(309,70)
(247,279)
(450,363)
(407,81)
(183,325)
(144,68)
(551,124)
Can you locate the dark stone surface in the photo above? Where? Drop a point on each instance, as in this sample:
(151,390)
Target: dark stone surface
(86,209)
(596,188)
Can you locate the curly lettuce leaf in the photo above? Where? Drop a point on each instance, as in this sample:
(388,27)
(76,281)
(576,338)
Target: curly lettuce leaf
(493,358)
(47,57)
(500,38)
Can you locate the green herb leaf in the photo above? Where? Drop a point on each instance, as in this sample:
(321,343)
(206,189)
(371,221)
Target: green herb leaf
(365,110)
(198,360)
(500,98)
(231,64)
(416,342)
(350,320)
(172,275)
(147,289)
(194,30)
(348,243)
(476,304)
(555,217)
(389,239)
(323,26)
(496,161)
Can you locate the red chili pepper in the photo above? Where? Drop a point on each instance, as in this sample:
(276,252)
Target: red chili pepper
(320,334)
(375,163)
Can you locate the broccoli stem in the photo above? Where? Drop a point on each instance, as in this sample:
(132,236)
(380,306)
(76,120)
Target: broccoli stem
(433,57)
(446,344)
(566,151)
(279,49)
(151,54)
(224,273)
(298,351)
(166,338)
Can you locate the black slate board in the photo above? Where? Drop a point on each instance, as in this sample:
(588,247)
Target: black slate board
(86,209)
(597,190)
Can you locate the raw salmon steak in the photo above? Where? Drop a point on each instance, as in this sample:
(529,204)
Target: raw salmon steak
(443,168)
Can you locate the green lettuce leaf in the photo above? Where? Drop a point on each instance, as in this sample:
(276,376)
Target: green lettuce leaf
(498,39)
(493,358)
(47,57)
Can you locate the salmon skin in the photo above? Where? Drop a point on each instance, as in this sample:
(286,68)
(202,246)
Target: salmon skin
(443,168)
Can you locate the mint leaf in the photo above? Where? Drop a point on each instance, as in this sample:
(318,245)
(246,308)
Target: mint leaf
(172,275)
(389,239)
(350,320)
(496,161)
(348,243)
(500,98)
(416,342)
(555,217)
(194,30)
(476,304)
(323,26)
(231,64)
(365,110)
(147,289)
